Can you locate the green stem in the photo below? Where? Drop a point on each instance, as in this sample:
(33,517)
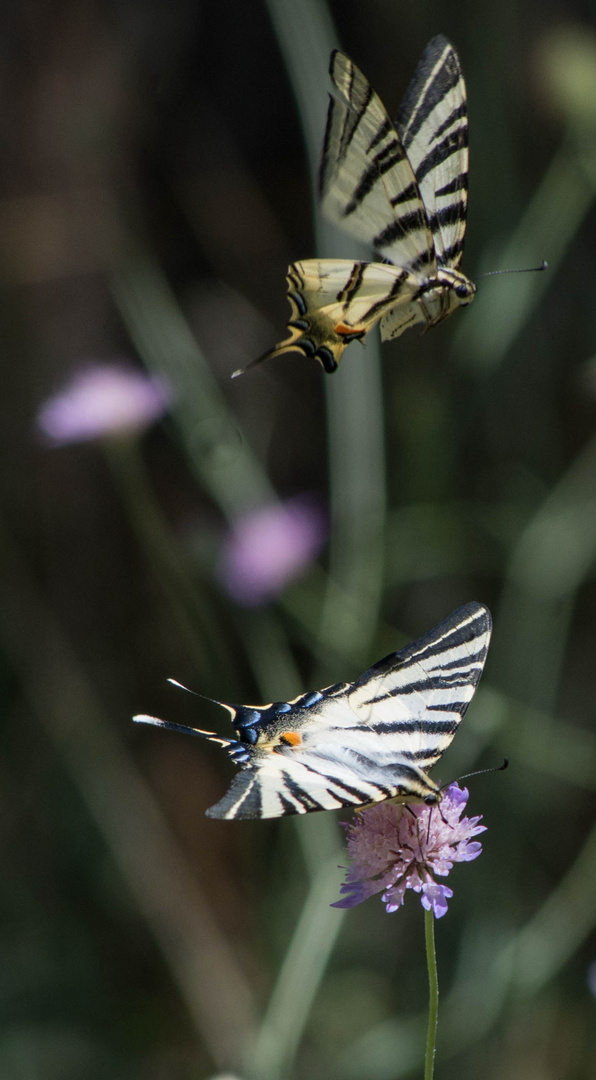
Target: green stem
(433,994)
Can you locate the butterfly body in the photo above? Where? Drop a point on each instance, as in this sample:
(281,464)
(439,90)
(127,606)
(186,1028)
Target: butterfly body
(356,743)
(402,189)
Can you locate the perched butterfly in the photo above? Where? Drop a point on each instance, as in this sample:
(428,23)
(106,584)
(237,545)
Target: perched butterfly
(402,188)
(356,743)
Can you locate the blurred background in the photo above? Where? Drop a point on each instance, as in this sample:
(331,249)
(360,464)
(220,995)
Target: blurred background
(256,538)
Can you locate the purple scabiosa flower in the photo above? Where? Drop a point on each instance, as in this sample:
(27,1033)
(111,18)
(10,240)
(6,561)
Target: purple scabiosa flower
(394,847)
(267,548)
(103,401)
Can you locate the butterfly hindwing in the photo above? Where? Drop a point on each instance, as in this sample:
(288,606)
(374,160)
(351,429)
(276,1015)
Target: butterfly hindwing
(336,301)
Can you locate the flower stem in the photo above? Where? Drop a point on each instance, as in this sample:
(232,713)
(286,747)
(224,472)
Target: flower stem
(433,994)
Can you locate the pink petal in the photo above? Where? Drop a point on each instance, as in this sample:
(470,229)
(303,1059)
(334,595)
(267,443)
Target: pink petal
(269,547)
(103,400)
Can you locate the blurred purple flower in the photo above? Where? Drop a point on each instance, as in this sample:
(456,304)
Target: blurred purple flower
(101,401)
(394,847)
(267,548)
(591,978)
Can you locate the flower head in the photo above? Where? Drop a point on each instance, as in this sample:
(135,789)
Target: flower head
(103,400)
(268,547)
(394,847)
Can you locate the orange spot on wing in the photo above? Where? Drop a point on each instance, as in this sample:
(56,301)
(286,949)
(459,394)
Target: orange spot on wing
(291,738)
(341,328)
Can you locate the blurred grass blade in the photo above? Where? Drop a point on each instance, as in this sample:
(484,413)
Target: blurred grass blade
(355,419)
(551,558)
(218,452)
(121,804)
(562,925)
(300,975)
(551,221)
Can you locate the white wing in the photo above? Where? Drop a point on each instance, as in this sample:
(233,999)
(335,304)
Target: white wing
(367,185)
(433,124)
(353,744)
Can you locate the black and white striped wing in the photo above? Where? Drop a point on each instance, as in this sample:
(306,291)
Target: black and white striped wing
(357,743)
(433,124)
(367,185)
(415,699)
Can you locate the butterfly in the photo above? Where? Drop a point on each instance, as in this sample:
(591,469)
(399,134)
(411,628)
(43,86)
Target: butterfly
(403,189)
(353,744)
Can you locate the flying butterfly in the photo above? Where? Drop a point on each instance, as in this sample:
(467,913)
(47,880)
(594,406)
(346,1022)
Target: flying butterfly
(402,188)
(357,743)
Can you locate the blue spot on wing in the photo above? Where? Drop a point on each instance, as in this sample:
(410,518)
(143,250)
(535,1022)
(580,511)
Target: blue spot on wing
(310,699)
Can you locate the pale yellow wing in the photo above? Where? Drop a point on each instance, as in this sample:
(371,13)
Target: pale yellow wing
(336,301)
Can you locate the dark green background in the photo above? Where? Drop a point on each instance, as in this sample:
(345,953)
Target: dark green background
(154,187)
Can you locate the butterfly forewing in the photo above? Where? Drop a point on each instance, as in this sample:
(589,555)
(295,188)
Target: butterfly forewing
(367,185)
(433,124)
(416,698)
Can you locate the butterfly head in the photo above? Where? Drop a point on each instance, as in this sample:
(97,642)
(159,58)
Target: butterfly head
(465,291)
(460,289)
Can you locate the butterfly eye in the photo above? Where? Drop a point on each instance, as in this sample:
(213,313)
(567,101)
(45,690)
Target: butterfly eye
(431,800)
(461,290)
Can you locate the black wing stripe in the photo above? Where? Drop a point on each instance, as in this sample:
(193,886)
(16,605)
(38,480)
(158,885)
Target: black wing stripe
(458,113)
(386,159)
(385,129)
(459,183)
(334,785)
(300,795)
(448,215)
(409,194)
(393,292)
(451,253)
(451,706)
(470,658)
(243,798)
(403,226)
(353,284)
(421,261)
(397,727)
(438,89)
(419,756)
(293,807)
(450,145)
(350,124)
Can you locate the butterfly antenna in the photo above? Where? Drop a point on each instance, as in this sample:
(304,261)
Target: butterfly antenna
(519,270)
(478,772)
(180,686)
(195,693)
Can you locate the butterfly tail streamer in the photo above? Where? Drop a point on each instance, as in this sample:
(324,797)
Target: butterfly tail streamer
(185,729)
